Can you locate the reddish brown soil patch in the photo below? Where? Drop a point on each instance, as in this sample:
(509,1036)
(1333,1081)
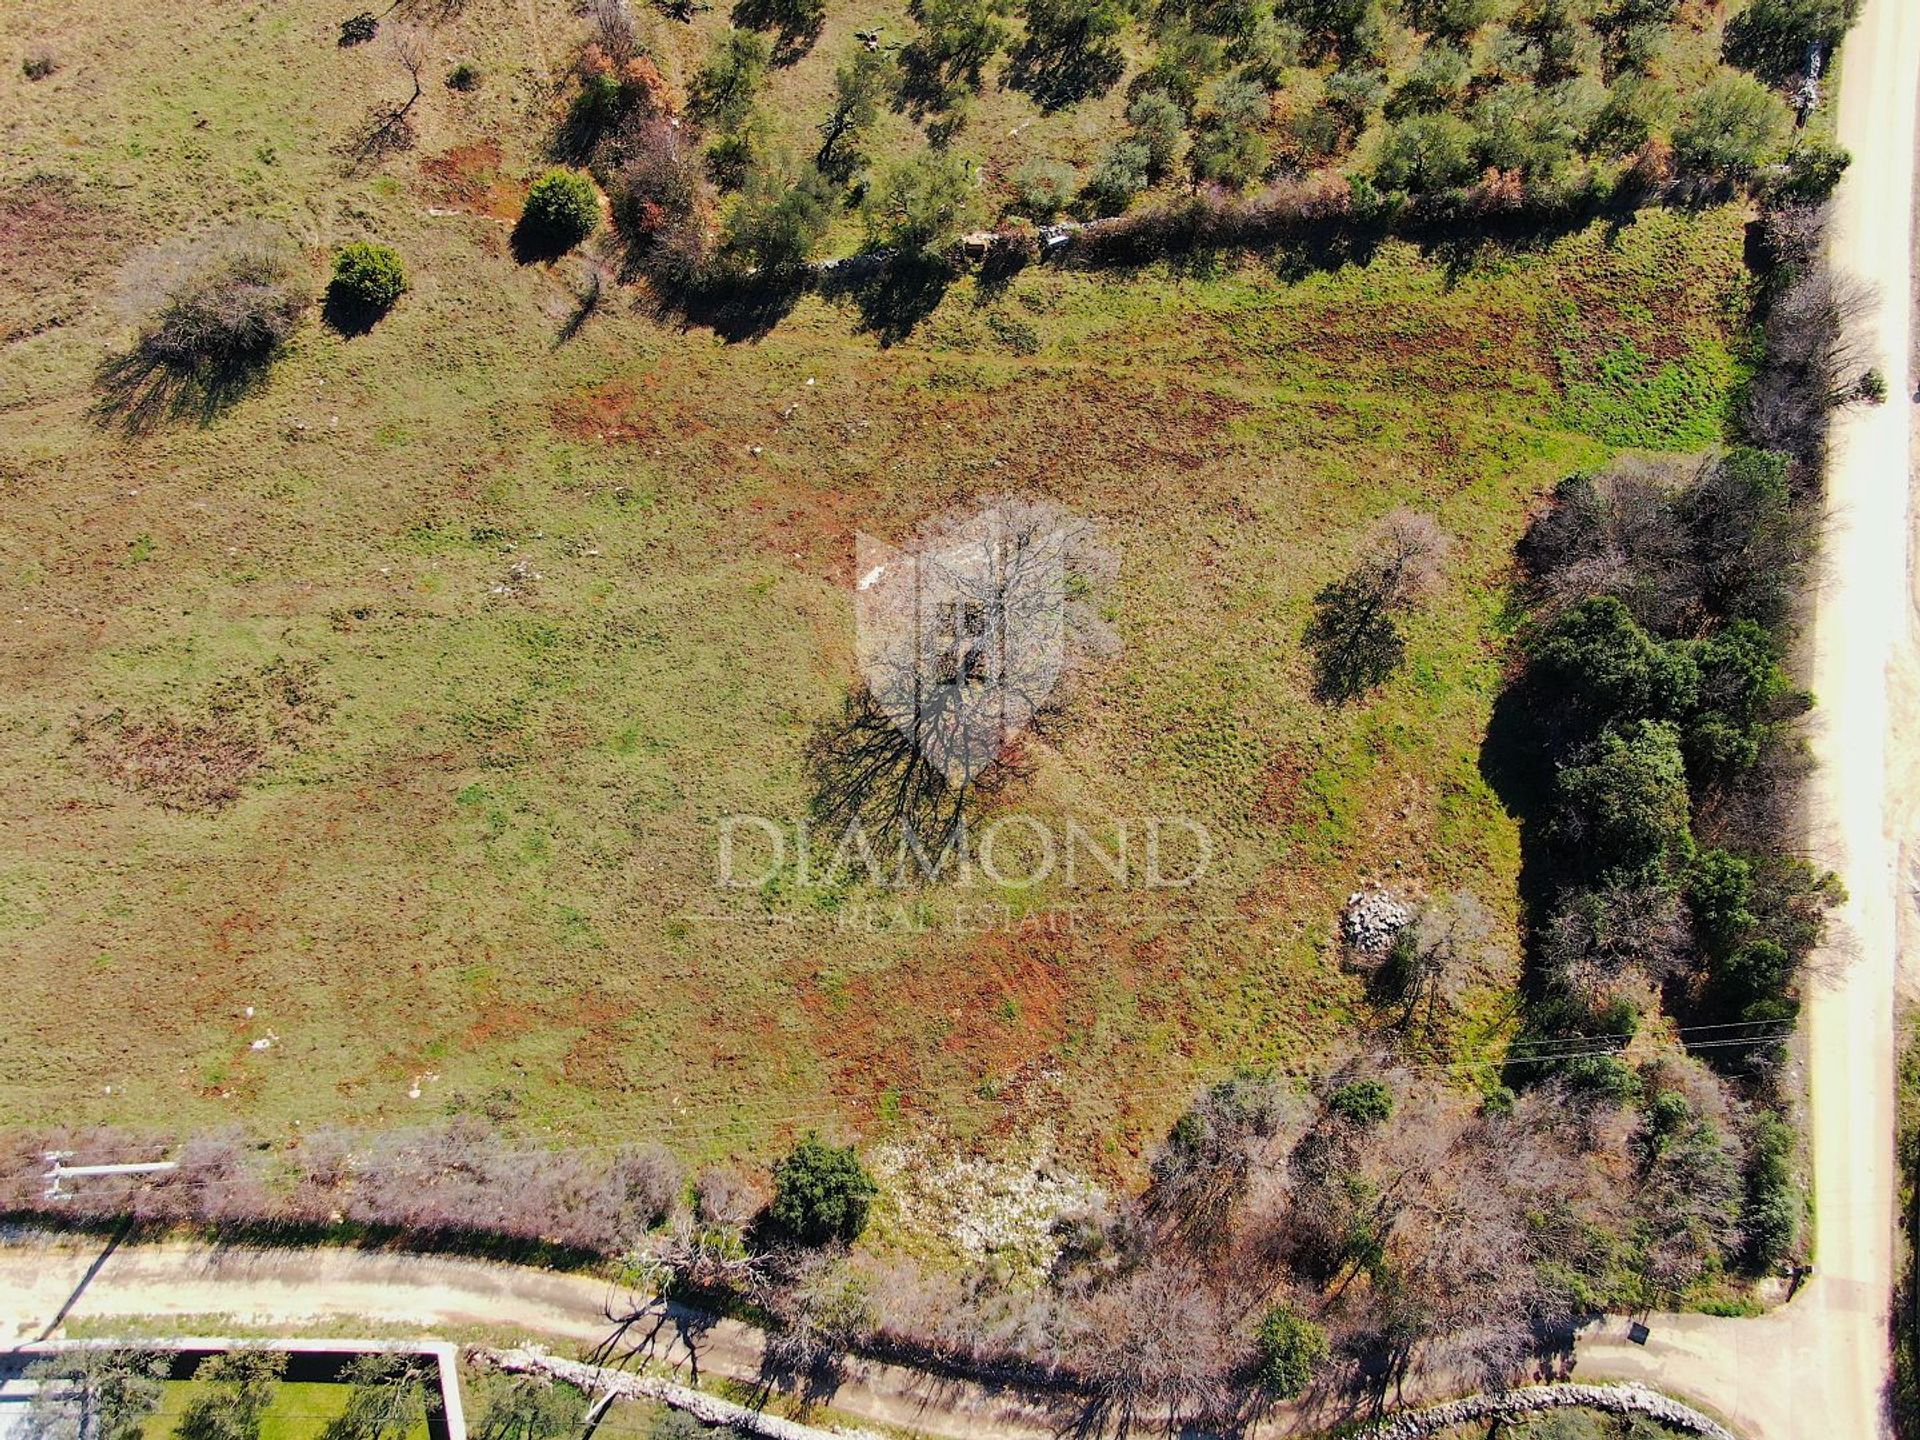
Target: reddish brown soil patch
(1280,787)
(811,528)
(593,1061)
(202,761)
(612,413)
(468,177)
(51,243)
(949,1020)
(1439,358)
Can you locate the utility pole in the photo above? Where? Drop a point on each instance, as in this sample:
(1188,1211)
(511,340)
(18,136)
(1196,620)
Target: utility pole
(58,1171)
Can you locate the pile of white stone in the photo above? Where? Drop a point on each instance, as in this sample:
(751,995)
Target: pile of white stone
(982,1207)
(1371,920)
(1613,1399)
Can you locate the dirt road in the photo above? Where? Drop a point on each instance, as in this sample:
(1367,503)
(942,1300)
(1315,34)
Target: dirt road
(1817,1368)
(41,1281)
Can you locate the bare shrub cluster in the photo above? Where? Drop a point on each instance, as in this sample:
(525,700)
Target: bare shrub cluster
(454,1185)
(209,338)
(1817,349)
(203,760)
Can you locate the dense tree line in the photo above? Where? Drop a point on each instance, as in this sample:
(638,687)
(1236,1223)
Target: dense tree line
(1658,768)
(1507,105)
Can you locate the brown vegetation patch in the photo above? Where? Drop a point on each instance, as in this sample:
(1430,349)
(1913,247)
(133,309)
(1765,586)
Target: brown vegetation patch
(972,1016)
(811,528)
(202,761)
(468,177)
(1281,783)
(612,413)
(1437,357)
(1085,422)
(51,241)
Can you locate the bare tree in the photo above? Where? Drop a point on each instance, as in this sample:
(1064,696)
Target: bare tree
(724,1197)
(1599,938)
(1431,958)
(1204,1166)
(964,642)
(1406,556)
(389,126)
(1614,534)
(1354,635)
(612,26)
(1157,1343)
(824,1309)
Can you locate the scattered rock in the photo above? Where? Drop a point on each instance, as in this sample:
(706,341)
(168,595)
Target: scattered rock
(1371,921)
(1531,1399)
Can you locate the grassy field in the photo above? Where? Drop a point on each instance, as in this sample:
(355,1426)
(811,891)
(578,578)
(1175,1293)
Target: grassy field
(483,630)
(300,1410)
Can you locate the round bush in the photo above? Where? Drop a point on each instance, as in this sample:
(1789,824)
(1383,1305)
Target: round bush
(1364,1102)
(367,278)
(821,1192)
(562,209)
(1290,1346)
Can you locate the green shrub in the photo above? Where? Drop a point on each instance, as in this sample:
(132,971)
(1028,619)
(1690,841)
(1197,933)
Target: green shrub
(367,278)
(1736,126)
(1601,667)
(1228,147)
(1771,1219)
(922,203)
(1813,167)
(1603,1076)
(464,77)
(1438,80)
(562,209)
(358,29)
(39,62)
(1427,153)
(1872,387)
(1042,188)
(1158,125)
(1120,175)
(957,39)
(1289,1346)
(781,215)
(1770,37)
(1624,812)
(821,1192)
(1364,1102)
(723,88)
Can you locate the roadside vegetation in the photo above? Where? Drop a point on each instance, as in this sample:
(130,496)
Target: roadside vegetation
(1903,1402)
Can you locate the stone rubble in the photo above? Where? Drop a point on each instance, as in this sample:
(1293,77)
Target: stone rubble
(1531,1399)
(1371,920)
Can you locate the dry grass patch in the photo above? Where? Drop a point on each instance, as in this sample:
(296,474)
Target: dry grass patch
(205,759)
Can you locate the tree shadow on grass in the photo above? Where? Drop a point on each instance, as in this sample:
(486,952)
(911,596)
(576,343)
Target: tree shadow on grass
(868,775)
(533,243)
(1056,76)
(737,311)
(791,40)
(139,391)
(894,294)
(1355,643)
(348,316)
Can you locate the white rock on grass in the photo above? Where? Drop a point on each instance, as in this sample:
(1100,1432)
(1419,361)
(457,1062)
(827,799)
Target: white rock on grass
(1371,920)
(982,1208)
